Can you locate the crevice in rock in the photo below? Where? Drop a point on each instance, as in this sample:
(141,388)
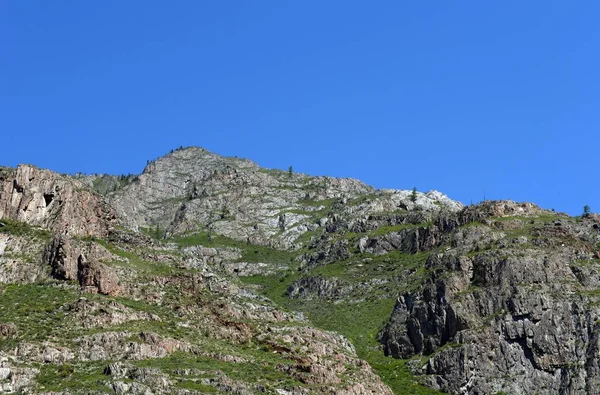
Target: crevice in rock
(565,380)
(48,198)
(81,267)
(521,317)
(17,187)
(526,351)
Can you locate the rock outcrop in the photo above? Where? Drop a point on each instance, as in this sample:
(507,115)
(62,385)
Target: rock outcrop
(509,308)
(21,257)
(58,203)
(71,259)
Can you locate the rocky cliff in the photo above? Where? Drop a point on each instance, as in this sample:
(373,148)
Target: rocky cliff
(510,305)
(209,274)
(58,203)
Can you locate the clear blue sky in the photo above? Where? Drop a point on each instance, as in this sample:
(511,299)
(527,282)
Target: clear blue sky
(462,96)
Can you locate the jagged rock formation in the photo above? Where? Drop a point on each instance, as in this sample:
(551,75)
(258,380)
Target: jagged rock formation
(172,282)
(58,203)
(70,259)
(509,307)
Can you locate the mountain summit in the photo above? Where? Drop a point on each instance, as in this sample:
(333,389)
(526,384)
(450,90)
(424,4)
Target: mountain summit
(193,187)
(208,274)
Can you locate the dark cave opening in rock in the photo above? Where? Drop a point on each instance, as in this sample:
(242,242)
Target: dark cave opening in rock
(48,197)
(17,187)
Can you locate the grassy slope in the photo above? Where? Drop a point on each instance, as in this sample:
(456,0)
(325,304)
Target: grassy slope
(38,311)
(359,322)
(41,313)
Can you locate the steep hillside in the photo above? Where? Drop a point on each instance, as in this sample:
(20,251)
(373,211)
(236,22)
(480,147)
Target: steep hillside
(89,307)
(209,274)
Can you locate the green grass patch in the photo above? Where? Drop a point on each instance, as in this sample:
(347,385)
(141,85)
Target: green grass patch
(259,372)
(361,267)
(206,239)
(359,322)
(35,309)
(80,377)
(18,228)
(139,264)
(250,252)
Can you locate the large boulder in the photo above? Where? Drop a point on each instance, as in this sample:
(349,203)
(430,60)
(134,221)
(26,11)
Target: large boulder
(98,276)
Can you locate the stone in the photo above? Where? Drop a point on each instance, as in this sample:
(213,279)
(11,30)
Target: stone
(44,198)
(98,276)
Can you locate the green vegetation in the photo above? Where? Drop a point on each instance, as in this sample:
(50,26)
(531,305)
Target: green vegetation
(413,195)
(250,252)
(18,228)
(83,376)
(264,372)
(586,210)
(359,322)
(326,203)
(156,232)
(134,261)
(364,267)
(272,172)
(206,239)
(35,309)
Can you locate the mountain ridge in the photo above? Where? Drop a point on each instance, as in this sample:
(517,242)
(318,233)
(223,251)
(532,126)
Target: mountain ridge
(203,260)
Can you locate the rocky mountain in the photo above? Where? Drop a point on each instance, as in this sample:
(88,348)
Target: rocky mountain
(193,188)
(207,274)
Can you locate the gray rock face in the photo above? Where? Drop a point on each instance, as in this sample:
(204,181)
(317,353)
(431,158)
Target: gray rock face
(20,258)
(71,259)
(508,307)
(236,198)
(98,276)
(14,377)
(62,258)
(47,199)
